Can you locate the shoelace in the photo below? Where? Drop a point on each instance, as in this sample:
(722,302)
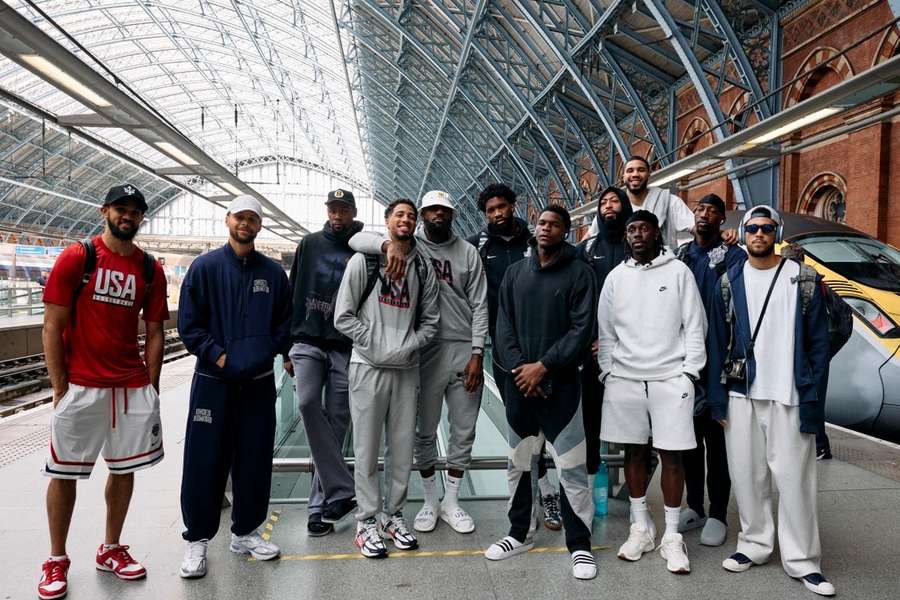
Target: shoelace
(552,505)
(370,532)
(121,556)
(197,550)
(400,525)
(54,570)
(673,545)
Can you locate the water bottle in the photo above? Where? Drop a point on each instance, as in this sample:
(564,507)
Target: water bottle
(601,491)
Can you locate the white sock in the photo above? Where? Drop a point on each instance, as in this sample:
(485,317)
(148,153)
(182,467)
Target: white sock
(640,512)
(451,492)
(63,557)
(547,488)
(430,491)
(108,546)
(672,516)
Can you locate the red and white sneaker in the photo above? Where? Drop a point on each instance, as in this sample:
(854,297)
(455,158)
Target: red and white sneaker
(54,583)
(117,560)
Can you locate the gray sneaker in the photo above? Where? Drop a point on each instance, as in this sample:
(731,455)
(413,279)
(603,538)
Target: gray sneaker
(255,546)
(193,565)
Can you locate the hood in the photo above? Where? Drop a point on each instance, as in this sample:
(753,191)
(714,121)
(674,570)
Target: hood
(663,258)
(565,256)
(522,231)
(422,237)
(355,227)
(614,230)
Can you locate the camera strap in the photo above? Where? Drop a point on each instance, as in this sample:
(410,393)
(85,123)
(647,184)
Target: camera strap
(762,312)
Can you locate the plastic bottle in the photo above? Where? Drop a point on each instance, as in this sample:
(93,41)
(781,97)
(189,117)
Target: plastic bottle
(601,491)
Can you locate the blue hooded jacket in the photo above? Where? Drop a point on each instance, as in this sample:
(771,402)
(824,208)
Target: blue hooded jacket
(810,352)
(237,306)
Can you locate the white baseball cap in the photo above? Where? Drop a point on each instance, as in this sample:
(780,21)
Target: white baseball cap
(245,202)
(436,198)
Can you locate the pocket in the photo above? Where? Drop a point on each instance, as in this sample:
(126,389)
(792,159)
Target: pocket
(249,356)
(65,400)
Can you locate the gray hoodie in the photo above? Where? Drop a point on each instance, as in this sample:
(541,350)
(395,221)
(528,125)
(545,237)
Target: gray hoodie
(462,281)
(383,330)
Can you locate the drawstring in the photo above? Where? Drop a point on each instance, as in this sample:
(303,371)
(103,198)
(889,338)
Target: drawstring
(113,405)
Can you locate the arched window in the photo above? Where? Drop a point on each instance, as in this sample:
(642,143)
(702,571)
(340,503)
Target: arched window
(826,197)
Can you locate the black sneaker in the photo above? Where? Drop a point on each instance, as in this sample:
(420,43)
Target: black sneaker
(552,518)
(823,454)
(335,511)
(815,582)
(316,527)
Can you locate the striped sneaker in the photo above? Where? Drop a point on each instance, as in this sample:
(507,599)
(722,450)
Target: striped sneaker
(368,540)
(507,548)
(584,565)
(118,561)
(395,528)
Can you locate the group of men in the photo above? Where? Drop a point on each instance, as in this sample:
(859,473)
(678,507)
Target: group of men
(710,355)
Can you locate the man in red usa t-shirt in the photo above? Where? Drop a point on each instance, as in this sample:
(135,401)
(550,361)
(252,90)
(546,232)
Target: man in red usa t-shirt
(105,396)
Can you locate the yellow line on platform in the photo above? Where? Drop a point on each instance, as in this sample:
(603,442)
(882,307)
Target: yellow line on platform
(426,553)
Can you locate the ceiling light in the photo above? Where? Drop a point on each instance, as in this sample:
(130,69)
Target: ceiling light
(176,153)
(230,189)
(64,80)
(794,125)
(674,176)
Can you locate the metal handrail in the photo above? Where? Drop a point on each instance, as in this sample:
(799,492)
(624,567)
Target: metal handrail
(479,463)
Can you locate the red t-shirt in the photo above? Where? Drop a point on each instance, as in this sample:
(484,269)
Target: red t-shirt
(101,345)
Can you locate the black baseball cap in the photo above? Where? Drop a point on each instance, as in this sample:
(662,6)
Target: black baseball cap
(643,215)
(125,192)
(713,200)
(340,195)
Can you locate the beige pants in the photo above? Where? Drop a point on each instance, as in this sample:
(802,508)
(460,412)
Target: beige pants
(764,442)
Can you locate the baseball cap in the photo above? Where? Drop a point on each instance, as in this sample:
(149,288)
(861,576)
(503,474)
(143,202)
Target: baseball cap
(643,215)
(436,198)
(340,195)
(245,202)
(713,200)
(766,212)
(125,192)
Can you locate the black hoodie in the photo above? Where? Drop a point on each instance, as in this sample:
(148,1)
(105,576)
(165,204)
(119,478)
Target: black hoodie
(498,254)
(604,251)
(546,313)
(319,264)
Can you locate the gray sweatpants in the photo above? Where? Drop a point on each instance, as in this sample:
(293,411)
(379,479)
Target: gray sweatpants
(442,377)
(382,400)
(326,418)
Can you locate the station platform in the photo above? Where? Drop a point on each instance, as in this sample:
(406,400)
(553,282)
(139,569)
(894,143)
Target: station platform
(859,504)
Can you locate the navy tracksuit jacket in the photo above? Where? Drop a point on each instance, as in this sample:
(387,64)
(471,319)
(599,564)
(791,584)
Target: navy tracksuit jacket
(240,307)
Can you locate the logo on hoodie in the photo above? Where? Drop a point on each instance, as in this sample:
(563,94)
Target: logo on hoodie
(395,294)
(443,270)
(260,285)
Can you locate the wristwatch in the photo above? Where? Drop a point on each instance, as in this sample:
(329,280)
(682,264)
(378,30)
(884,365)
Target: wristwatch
(478,351)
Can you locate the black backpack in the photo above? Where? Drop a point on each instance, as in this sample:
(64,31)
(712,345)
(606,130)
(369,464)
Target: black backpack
(90,265)
(373,277)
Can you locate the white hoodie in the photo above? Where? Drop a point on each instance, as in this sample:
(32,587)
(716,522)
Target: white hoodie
(651,321)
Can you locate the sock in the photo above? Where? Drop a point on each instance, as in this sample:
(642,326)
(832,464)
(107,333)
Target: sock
(108,546)
(640,512)
(672,516)
(451,492)
(62,557)
(547,488)
(430,492)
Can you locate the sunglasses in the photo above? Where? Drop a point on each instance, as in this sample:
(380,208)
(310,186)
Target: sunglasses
(753,228)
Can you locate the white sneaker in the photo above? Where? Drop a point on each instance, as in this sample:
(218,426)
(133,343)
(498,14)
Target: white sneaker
(507,548)
(426,518)
(639,541)
(815,582)
(395,528)
(193,565)
(255,546)
(458,519)
(584,565)
(689,519)
(672,549)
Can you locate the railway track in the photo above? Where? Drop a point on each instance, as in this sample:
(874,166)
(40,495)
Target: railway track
(24,382)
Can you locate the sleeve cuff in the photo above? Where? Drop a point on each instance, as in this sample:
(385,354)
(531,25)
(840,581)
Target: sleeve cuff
(213,353)
(478,341)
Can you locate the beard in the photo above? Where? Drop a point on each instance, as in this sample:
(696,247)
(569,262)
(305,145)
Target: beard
(120,234)
(241,238)
(761,253)
(640,188)
(438,231)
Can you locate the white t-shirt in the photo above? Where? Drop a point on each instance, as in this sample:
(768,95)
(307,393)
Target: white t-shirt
(673,214)
(774,348)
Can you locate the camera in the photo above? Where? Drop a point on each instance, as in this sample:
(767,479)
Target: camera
(735,371)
